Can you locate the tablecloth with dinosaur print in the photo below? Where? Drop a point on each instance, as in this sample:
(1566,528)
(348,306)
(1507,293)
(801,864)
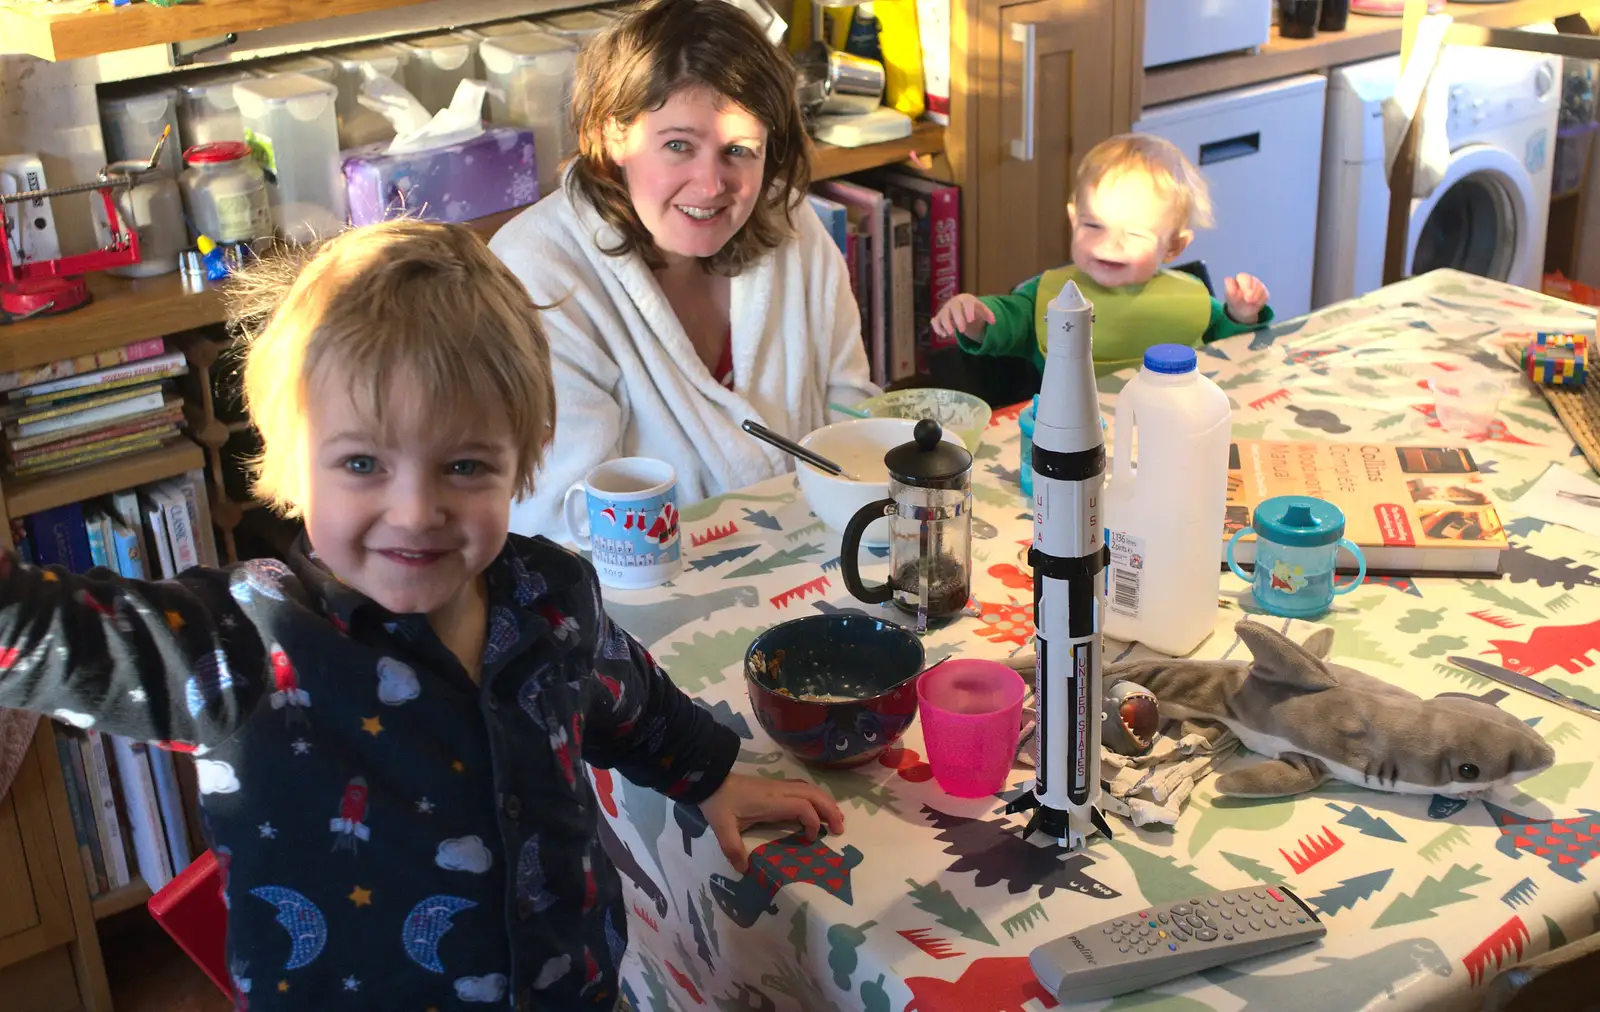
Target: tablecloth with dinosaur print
(929,903)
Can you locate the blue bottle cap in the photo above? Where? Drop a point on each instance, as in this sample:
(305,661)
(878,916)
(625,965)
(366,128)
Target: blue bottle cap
(1172,359)
(1298,521)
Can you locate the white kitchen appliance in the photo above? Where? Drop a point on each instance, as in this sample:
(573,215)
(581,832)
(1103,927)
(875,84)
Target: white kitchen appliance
(1176,30)
(1488,213)
(1257,148)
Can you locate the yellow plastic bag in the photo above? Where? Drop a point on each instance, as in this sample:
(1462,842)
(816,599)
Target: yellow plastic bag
(902,55)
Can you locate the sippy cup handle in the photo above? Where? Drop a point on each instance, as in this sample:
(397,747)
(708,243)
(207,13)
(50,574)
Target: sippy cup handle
(1361,563)
(1241,574)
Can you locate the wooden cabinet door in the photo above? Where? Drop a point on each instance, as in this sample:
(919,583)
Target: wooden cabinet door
(34,910)
(1055,77)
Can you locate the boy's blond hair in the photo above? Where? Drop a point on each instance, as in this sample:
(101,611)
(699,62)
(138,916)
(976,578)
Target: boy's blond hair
(1158,160)
(413,299)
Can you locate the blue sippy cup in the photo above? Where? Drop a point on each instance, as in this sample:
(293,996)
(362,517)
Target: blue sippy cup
(1298,538)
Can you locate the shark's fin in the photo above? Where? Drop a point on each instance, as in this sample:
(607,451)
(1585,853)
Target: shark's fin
(1319,644)
(1278,659)
(1290,773)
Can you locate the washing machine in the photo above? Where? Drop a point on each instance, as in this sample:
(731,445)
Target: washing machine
(1488,212)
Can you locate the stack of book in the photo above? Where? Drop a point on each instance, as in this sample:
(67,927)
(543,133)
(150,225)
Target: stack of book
(91,409)
(128,811)
(117,532)
(900,234)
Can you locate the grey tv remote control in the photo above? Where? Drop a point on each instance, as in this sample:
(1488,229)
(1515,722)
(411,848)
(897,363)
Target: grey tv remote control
(1158,944)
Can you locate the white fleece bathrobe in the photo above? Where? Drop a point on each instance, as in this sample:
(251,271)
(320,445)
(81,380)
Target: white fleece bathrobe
(628,380)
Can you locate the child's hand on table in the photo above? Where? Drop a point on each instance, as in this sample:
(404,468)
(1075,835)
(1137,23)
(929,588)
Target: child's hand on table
(742,802)
(1245,297)
(965,313)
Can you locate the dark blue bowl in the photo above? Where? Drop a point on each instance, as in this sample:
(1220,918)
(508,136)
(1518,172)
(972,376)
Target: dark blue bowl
(834,690)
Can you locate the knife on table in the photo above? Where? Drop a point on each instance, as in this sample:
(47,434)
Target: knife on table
(1517,680)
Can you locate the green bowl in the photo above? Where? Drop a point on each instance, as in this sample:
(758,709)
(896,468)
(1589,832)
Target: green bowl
(965,415)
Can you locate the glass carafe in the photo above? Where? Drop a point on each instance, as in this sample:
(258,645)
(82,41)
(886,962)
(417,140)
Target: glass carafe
(929,511)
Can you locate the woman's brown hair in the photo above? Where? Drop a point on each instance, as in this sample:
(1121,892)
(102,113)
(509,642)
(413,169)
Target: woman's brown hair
(651,54)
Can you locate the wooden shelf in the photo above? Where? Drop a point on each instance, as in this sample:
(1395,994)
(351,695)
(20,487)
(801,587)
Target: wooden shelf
(1365,38)
(30,495)
(125,310)
(32,28)
(110,904)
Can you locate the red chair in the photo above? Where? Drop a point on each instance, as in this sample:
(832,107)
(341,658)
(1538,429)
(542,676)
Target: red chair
(191,909)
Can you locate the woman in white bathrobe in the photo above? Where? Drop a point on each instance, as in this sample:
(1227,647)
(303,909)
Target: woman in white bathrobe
(691,285)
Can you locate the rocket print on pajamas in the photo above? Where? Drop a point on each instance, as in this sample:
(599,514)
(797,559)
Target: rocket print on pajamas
(350,825)
(287,695)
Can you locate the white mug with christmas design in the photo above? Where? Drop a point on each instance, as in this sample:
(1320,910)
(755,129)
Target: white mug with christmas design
(628,521)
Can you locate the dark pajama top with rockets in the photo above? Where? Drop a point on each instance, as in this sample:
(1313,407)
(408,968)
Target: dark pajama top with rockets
(394,836)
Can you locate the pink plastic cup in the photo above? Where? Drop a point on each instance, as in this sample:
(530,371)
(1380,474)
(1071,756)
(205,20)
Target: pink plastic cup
(971,718)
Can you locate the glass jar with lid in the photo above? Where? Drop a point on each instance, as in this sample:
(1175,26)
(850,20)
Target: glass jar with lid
(226,192)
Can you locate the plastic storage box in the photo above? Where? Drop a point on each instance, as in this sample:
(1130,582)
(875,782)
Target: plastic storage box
(207,110)
(438,64)
(292,132)
(132,123)
(359,125)
(530,85)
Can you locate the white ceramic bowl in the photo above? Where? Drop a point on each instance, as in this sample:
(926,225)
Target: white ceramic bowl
(861,442)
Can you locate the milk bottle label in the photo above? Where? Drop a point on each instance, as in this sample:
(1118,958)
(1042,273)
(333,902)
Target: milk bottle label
(1125,574)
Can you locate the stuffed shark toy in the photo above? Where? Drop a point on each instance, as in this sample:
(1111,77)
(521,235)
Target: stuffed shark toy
(1318,720)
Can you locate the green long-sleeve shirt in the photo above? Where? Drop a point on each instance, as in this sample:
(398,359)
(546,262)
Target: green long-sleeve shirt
(1013,333)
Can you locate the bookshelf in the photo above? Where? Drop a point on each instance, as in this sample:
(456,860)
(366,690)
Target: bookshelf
(117,901)
(32,495)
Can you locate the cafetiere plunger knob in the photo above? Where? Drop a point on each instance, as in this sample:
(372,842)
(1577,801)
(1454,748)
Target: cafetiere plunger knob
(927,434)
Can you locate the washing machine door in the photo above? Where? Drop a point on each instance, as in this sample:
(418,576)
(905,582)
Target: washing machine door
(1477,219)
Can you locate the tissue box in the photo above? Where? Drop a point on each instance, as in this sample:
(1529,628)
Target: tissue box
(490,173)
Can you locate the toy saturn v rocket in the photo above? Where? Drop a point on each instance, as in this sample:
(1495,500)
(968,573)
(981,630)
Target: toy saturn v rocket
(1068,557)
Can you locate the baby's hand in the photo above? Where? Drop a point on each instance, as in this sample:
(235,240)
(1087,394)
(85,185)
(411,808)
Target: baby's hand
(965,313)
(742,802)
(1245,297)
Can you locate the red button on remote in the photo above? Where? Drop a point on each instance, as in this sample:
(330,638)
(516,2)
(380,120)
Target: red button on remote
(1275,894)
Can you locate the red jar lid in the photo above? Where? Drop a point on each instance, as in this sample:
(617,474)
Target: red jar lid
(217,151)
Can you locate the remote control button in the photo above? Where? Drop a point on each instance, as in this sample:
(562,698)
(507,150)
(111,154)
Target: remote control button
(1172,946)
(1143,914)
(1261,894)
(1286,921)
(1256,907)
(1275,894)
(1109,929)
(1182,909)
(1195,903)
(1119,923)
(1122,948)
(1300,920)
(1141,949)
(1206,935)
(1161,934)
(1227,915)
(1213,902)
(1151,923)
(1194,921)
(1227,936)
(1229,899)
(1163,918)
(1255,925)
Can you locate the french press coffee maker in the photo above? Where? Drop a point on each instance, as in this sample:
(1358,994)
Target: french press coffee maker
(929,511)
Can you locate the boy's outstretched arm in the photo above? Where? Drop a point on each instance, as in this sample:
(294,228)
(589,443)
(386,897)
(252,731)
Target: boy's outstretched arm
(174,661)
(646,727)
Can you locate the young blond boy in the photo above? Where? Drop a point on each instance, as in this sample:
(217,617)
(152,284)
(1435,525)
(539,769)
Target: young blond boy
(391,729)
(1136,203)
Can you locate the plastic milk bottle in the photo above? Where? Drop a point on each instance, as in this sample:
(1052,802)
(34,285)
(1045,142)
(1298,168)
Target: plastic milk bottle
(1165,502)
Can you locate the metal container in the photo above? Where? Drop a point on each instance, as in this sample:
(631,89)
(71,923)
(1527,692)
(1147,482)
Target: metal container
(833,82)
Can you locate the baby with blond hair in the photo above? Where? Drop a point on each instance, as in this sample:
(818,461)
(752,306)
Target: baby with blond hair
(1136,203)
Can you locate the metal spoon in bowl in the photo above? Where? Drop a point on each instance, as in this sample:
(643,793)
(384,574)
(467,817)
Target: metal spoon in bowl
(794,449)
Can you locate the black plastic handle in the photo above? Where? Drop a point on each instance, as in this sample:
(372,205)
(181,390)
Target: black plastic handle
(850,550)
(1241,146)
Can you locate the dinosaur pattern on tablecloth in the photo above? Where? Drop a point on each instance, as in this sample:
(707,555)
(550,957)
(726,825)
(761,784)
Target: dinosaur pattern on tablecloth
(1566,844)
(996,852)
(789,861)
(930,950)
(629,865)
